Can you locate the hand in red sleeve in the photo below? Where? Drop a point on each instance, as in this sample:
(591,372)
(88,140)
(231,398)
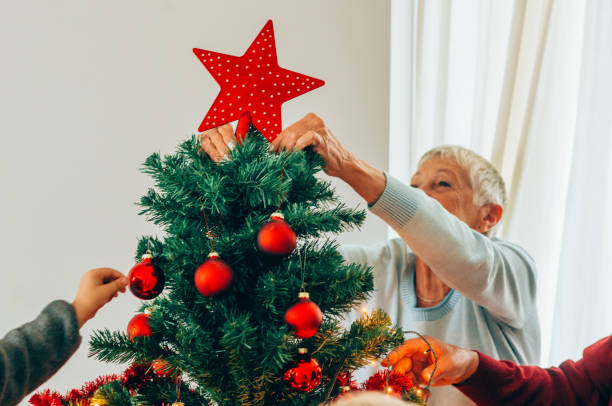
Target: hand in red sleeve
(455,364)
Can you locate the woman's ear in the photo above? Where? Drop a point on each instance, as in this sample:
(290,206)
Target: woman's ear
(490,215)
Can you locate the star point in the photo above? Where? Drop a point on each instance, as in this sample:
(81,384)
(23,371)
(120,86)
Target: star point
(254,83)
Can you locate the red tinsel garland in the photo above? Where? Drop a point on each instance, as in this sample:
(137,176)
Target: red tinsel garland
(397,382)
(89,389)
(345,379)
(135,377)
(46,398)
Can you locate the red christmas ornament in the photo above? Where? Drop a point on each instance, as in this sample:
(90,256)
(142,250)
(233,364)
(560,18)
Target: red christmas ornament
(162,368)
(305,375)
(276,236)
(139,327)
(305,316)
(146,280)
(253,82)
(214,276)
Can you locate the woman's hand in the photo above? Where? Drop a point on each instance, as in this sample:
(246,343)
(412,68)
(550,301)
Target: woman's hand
(97,288)
(455,364)
(217,142)
(312,131)
(366,180)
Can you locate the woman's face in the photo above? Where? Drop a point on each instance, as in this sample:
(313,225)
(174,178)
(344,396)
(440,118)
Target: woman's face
(447,182)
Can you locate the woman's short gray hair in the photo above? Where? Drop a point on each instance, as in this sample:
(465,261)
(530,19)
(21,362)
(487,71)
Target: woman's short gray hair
(487,184)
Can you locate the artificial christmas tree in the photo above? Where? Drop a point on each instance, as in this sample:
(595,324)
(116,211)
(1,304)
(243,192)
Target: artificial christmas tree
(236,347)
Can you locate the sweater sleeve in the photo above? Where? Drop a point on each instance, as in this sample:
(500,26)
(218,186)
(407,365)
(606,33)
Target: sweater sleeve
(496,274)
(32,353)
(585,382)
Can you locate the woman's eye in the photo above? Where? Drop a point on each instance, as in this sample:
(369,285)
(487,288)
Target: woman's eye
(445,184)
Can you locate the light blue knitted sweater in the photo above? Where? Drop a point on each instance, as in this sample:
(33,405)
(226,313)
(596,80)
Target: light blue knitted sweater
(491,306)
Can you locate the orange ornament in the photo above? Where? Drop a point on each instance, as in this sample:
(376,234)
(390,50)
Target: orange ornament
(162,368)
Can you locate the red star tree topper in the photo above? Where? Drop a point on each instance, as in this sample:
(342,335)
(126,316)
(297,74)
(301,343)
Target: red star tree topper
(254,83)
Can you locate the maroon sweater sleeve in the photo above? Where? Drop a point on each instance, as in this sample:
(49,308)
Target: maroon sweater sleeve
(585,382)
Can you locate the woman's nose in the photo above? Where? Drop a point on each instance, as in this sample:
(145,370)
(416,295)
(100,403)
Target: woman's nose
(427,189)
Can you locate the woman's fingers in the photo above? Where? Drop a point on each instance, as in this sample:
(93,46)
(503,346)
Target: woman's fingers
(227,134)
(289,136)
(285,140)
(426,375)
(403,366)
(217,142)
(210,146)
(310,138)
(207,146)
(408,349)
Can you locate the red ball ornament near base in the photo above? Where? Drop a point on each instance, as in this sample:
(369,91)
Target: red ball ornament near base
(305,375)
(139,327)
(146,280)
(162,368)
(214,276)
(276,236)
(305,316)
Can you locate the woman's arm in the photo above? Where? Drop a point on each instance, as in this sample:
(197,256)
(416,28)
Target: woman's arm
(585,382)
(497,275)
(490,382)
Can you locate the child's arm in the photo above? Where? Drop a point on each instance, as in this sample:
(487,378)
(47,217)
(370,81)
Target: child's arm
(32,353)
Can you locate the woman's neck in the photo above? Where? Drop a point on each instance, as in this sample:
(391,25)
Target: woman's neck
(429,289)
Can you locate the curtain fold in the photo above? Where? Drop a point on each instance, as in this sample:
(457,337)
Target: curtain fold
(526,84)
(583,305)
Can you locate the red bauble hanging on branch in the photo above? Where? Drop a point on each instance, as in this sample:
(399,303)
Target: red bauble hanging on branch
(139,327)
(214,276)
(146,280)
(305,316)
(305,374)
(276,236)
(162,368)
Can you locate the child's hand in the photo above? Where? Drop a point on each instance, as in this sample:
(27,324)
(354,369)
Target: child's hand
(97,288)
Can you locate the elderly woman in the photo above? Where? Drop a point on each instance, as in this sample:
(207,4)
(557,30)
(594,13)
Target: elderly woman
(446,277)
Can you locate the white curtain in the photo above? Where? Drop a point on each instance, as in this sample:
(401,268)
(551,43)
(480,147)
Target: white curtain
(583,305)
(527,84)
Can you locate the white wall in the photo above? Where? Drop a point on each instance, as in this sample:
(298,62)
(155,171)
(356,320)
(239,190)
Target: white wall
(89,89)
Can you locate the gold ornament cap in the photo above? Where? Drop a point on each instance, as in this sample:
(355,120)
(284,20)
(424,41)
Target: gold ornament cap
(302,350)
(213,255)
(147,255)
(303,295)
(277,215)
(178,404)
(148,311)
